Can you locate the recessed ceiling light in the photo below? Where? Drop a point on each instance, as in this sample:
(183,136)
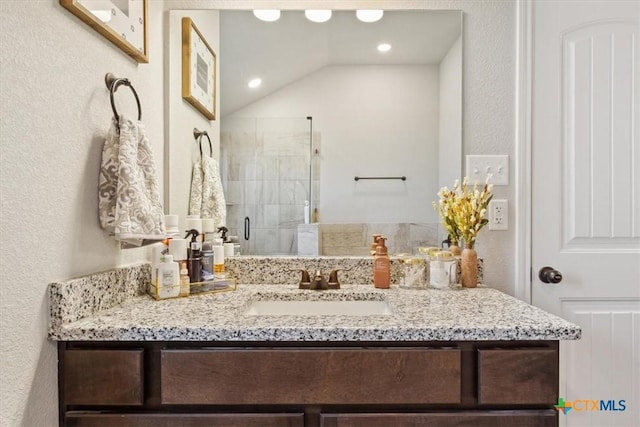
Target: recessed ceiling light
(318,15)
(384,47)
(267,15)
(254,83)
(369,15)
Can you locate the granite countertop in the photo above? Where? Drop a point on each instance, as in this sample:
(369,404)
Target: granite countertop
(417,315)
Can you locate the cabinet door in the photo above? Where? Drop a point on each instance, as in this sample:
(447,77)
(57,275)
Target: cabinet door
(518,376)
(542,418)
(311,376)
(103,377)
(185,420)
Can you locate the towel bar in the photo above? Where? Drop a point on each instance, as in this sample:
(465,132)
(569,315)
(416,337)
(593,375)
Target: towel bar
(402,178)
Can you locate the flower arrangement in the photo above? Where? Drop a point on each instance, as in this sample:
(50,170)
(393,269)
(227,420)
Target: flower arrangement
(463,210)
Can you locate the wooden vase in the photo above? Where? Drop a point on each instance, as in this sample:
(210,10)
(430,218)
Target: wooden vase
(469,268)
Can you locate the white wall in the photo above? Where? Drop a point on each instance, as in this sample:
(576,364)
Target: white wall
(373,121)
(54,111)
(450,142)
(181,149)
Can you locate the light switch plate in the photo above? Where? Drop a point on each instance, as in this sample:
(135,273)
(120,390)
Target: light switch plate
(480,165)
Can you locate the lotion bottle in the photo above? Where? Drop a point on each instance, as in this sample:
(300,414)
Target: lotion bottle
(168,279)
(381,266)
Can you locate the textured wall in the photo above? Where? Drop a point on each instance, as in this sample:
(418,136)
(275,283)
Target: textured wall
(54,111)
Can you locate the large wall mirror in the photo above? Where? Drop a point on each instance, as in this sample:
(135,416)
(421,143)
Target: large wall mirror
(332,106)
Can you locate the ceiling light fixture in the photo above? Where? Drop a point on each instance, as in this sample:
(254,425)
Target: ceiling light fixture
(254,83)
(267,15)
(384,47)
(318,15)
(369,15)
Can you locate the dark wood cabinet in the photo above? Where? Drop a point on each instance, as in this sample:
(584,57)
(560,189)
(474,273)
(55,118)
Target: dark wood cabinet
(156,384)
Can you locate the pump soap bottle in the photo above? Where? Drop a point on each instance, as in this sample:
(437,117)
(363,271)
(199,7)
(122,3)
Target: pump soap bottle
(381,266)
(194,262)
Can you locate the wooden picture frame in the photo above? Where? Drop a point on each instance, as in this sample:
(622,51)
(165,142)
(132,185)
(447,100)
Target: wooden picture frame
(126,29)
(198,70)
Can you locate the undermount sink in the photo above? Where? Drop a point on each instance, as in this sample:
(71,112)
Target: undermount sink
(318,308)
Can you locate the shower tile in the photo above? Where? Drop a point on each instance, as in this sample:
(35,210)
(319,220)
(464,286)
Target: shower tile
(233,193)
(290,215)
(266,167)
(287,241)
(287,194)
(293,167)
(269,193)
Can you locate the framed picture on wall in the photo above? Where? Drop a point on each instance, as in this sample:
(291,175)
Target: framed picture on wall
(122,22)
(198,70)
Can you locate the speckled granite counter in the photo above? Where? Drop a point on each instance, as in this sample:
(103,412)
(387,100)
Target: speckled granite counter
(417,315)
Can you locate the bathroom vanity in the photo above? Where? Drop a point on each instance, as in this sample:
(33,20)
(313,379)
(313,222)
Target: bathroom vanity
(437,358)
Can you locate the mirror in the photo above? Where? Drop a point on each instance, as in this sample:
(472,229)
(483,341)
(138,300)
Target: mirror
(374,115)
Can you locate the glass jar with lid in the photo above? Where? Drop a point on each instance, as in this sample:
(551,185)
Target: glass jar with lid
(442,270)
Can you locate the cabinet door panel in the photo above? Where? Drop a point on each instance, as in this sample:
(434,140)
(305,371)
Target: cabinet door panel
(103,377)
(311,376)
(543,418)
(185,420)
(518,376)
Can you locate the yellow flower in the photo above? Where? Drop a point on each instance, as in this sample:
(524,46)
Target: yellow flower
(462,210)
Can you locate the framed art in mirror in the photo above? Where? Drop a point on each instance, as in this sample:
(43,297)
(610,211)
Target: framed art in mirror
(198,70)
(122,22)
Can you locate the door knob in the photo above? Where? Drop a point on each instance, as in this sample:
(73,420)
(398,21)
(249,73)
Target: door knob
(549,275)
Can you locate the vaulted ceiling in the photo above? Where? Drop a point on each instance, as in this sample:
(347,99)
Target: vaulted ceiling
(284,51)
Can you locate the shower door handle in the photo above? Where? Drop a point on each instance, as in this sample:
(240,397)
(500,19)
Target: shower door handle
(247,228)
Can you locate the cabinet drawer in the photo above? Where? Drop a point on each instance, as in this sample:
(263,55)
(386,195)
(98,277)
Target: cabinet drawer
(310,376)
(185,420)
(518,376)
(103,377)
(543,418)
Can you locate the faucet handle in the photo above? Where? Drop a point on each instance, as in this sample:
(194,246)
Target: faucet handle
(333,281)
(305,280)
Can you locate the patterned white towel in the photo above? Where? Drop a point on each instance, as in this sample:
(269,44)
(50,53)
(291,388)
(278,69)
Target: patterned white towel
(129,202)
(207,194)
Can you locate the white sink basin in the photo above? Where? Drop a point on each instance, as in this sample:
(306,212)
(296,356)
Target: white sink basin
(318,308)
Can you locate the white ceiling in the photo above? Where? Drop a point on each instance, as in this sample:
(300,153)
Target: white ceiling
(284,51)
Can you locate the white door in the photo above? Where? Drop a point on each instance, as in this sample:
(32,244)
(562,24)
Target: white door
(586,198)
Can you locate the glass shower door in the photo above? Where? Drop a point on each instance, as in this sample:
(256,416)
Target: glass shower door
(266,172)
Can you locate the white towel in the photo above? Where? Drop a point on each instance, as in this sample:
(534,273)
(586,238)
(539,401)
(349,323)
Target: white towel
(207,194)
(129,202)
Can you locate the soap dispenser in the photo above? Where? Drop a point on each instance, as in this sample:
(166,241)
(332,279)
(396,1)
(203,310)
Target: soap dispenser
(194,262)
(381,266)
(374,244)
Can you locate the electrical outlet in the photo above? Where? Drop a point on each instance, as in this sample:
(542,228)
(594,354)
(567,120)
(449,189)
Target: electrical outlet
(479,166)
(498,215)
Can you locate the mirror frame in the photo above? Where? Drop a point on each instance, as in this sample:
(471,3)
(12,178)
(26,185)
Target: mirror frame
(76,7)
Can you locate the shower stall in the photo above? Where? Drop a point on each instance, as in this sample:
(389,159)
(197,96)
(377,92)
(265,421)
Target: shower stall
(267,172)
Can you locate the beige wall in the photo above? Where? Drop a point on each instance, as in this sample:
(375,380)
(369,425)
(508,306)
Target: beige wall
(54,111)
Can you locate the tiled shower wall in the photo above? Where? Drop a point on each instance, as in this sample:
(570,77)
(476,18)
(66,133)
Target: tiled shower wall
(355,239)
(266,177)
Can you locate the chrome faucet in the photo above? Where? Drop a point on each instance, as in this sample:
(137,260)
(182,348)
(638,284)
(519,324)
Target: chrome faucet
(318,282)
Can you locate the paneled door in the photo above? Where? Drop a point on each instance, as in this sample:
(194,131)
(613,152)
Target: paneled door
(586,199)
